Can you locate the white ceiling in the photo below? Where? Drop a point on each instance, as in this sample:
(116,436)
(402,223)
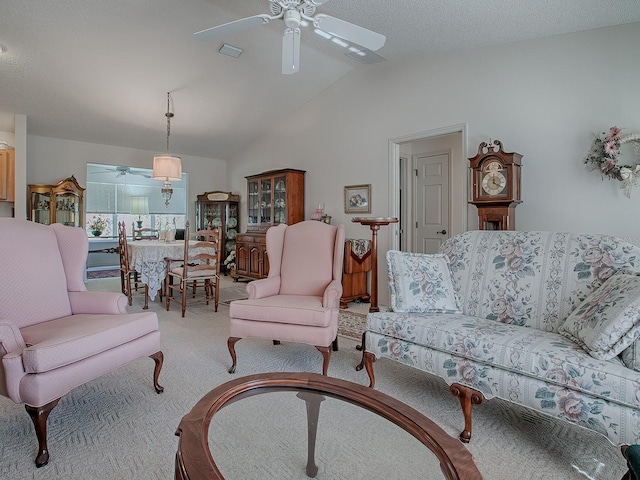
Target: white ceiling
(98,71)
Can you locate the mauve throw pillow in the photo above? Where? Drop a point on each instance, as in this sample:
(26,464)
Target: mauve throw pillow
(608,320)
(421,283)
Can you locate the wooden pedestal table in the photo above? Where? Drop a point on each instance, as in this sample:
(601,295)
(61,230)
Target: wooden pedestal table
(374,224)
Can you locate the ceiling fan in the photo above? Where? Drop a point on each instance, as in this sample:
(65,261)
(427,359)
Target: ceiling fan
(121,171)
(296,14)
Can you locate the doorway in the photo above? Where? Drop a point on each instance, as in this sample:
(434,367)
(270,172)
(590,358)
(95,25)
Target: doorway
(428,183)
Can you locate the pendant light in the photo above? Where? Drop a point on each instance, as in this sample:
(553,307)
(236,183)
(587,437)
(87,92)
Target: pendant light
(167,167)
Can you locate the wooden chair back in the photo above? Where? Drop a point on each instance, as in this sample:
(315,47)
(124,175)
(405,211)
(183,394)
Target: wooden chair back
(144,233)
(198,269)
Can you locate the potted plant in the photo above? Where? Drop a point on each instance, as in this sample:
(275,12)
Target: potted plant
(97,226)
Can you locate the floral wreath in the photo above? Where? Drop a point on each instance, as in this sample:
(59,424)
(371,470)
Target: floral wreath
(604,154)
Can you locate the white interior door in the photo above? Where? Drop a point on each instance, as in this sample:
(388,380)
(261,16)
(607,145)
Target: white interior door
(432,201)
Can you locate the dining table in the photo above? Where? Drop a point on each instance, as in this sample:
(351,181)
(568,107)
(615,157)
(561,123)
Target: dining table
(147,257)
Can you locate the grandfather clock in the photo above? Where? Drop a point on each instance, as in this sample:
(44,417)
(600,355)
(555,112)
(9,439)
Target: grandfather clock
(495,184)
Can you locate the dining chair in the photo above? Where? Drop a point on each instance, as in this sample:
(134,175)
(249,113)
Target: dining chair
(127,273)
(144,233)
(299,299)
(198,269)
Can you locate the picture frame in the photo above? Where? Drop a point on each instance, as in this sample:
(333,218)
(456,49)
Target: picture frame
(357,199)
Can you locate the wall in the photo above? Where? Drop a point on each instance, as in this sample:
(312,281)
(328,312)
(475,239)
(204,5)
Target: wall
(50,160)
(542,98)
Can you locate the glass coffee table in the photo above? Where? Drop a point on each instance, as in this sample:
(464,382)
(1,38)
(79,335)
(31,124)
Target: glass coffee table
(306,425)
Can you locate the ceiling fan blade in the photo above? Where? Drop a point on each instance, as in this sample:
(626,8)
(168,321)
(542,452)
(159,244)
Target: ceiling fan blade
(232,27)
(350,32)
(291,51)
(316,3)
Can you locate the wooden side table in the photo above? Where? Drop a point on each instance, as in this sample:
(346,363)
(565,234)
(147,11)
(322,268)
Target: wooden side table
(374,224)
(357,263)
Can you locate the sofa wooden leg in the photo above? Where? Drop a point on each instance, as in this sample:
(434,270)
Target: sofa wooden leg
(231,344)
(334,344)
(326,356)
(158,357)
(39,417)
(467,397)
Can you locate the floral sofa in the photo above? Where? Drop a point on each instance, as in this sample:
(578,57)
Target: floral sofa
(543,319)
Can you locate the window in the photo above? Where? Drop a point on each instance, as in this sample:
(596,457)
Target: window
(109,192)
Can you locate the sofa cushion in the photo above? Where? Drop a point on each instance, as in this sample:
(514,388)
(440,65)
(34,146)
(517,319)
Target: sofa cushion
(292,309)
(421,283)
(547,356)
(66,340)
(608,320)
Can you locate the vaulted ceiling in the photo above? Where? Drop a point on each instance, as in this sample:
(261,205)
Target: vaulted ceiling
(98,71)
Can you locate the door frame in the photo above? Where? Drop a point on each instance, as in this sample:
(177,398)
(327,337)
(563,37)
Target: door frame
(458,181)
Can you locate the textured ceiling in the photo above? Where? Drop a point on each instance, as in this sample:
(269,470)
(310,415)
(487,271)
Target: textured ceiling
(98,71)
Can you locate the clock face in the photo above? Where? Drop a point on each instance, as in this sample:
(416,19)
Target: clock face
(494,183)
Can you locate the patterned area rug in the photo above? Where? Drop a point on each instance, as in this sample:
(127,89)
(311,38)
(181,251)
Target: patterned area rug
(93,274)
(351,324)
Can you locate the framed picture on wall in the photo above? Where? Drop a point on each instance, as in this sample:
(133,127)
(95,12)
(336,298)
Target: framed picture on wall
(357,199)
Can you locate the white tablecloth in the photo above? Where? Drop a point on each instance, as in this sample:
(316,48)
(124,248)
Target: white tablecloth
(147,257)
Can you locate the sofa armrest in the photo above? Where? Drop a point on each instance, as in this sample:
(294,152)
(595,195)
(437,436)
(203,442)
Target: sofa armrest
(332,294)
(111,303)
(265,287)
(10,338)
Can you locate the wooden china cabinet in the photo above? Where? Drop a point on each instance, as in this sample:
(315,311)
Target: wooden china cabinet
(219,210)
(59,203)
(273,197)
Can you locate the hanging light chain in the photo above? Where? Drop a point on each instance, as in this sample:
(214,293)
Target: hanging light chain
(168,115)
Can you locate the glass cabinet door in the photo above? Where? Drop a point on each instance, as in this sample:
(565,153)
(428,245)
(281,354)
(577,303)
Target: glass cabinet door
(279,200)
(40,207)
(231,228)
(253,203)
(265,201)
(67,209)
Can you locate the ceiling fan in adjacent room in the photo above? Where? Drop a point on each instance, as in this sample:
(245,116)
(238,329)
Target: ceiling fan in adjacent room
(121,171)
(296,14)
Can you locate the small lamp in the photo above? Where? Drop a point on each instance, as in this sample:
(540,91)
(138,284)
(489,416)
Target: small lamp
(139,206)
(167,167)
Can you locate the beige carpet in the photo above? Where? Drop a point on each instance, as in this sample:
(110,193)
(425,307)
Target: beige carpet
(117,427)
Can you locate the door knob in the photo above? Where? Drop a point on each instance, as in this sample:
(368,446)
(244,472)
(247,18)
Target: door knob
(443,232)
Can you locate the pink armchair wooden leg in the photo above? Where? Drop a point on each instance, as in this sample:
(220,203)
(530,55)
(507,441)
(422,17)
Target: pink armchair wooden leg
(39,417)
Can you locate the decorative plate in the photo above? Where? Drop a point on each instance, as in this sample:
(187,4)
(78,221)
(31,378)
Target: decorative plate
(232,233)
(216,222)
(232,222)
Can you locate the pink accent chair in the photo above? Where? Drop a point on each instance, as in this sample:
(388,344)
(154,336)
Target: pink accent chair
(298,301)
(58,336)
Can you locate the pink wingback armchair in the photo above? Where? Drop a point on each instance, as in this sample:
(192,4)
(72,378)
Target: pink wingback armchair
(54,334)
(298,301)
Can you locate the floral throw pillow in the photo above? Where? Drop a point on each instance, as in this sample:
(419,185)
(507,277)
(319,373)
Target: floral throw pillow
(608,320)
(421,283)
